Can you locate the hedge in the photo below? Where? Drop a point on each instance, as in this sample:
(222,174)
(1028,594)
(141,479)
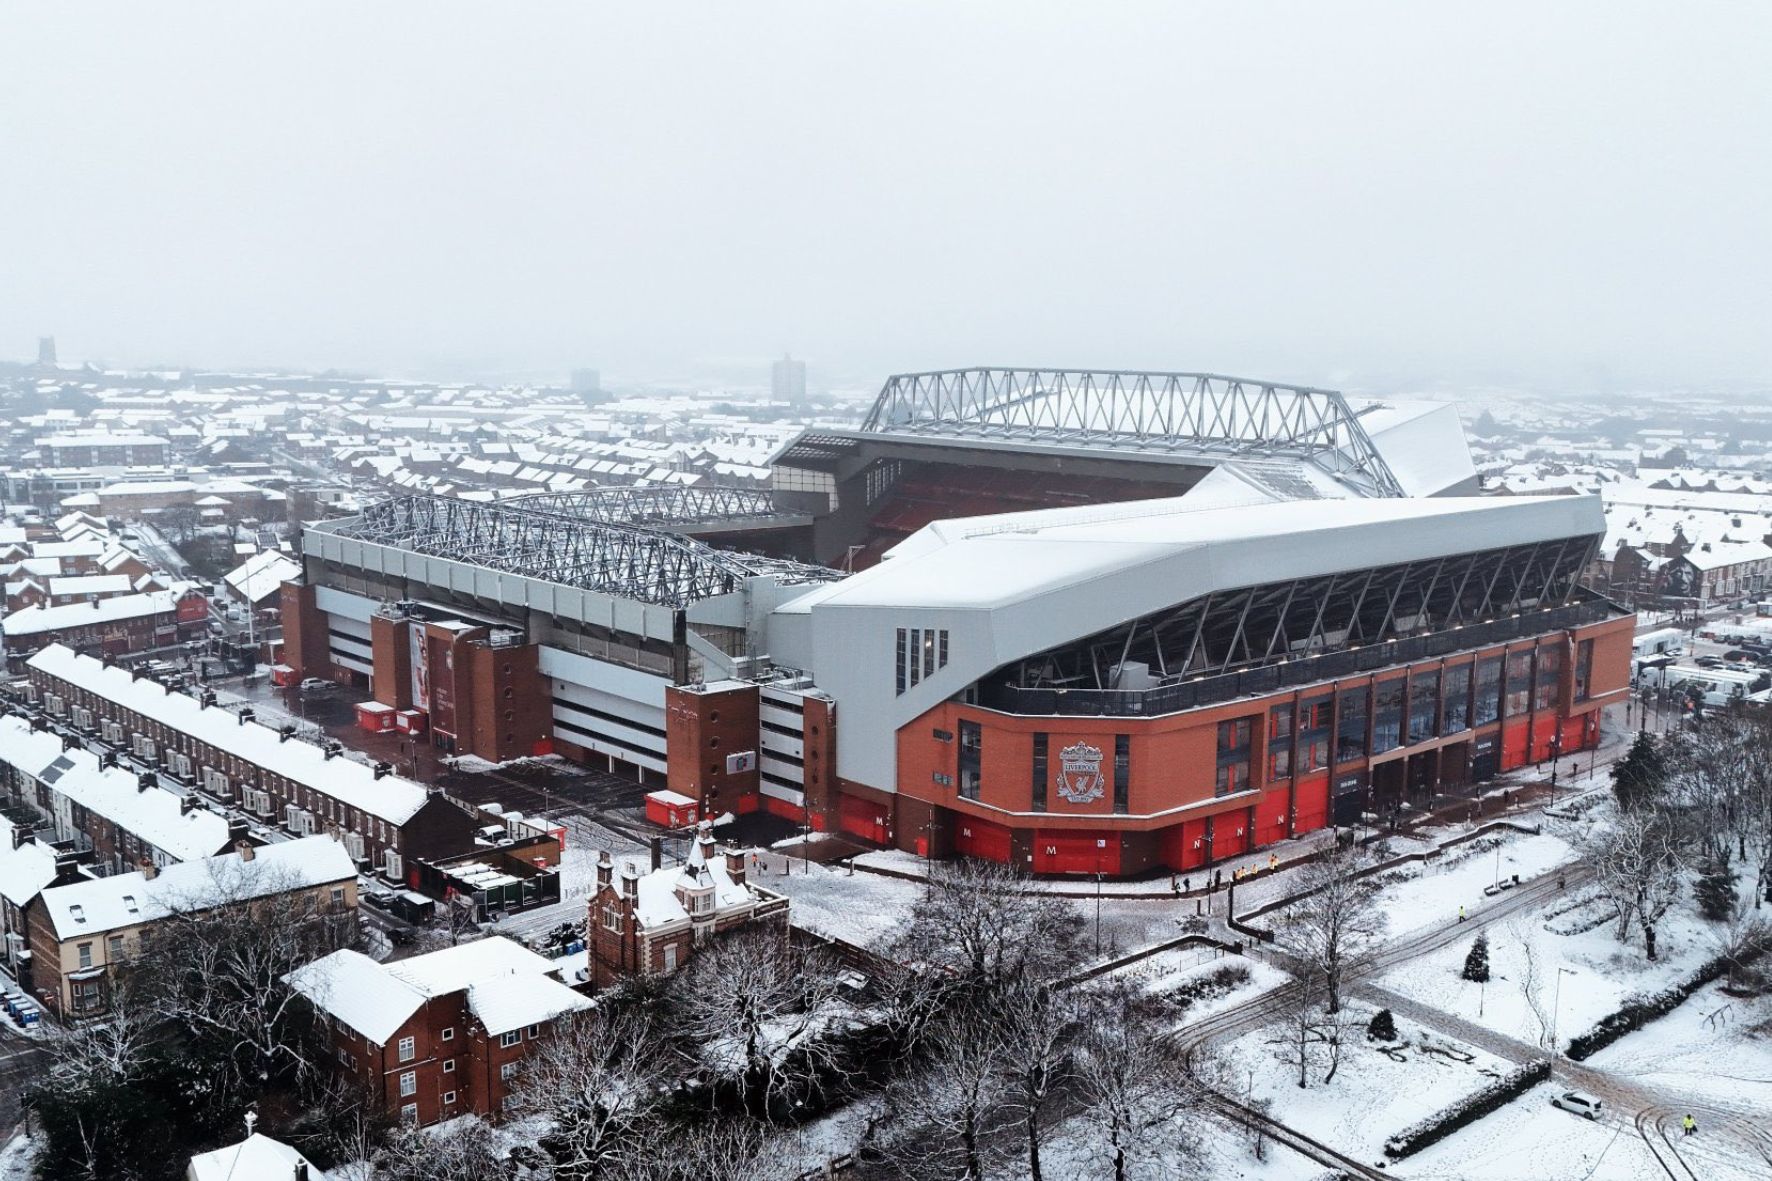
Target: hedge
(1640,1010)
(1468,1110)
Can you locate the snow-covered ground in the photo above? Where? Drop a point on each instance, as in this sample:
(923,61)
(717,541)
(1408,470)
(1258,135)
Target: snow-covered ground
(866,909)
(1222,1153)
(1430,892)
(1373,1096)
(1597,972)
(1530,1139)
(1170,972)
(1707,1047)
(18,1159)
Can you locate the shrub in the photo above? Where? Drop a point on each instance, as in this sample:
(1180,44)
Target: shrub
(1468,1110)
(1715,891)
(1638,1011)
(1382,1027)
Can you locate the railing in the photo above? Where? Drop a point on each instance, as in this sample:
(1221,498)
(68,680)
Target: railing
(1305,670)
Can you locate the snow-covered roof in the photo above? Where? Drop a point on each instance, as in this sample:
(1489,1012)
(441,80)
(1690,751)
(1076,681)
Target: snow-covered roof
(259,576)
(507,985)
(505,1003)
(392,797)
(256,1158)
(659,901)
(1009,586)
(130,899)
(89,584)
(41,620)
(156,815)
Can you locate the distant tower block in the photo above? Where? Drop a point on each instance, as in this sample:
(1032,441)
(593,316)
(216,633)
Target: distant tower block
(788,380)
(46,350)
(587,381)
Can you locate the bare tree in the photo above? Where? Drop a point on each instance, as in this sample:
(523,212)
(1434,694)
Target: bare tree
(763,1012)
(216,967)
(1638,861)
(1741,938)
(461,1150)
(945,1116)
(597,1082)
(1037,1026)
(1131,1084)
(1335,921)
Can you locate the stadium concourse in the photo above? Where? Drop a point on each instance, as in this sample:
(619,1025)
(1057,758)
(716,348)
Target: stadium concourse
(1080,621)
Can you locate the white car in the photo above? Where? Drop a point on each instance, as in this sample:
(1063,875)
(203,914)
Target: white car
(1580,1104)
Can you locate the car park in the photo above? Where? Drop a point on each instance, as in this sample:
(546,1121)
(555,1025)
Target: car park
(1584,1105)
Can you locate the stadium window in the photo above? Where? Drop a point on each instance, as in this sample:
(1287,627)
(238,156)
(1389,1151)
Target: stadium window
(1350,725)
(1584,669)
(902,660)
(1387,714)
(941,657)
(1424,705)
(1456,702)
(1122,772)
(971,759)
(1518,695)
(1039,784)
(1486,706)
(1550,674)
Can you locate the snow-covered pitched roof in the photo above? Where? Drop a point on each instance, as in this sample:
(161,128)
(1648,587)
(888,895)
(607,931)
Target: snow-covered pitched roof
(259,576)
(256,1158)
(507,985)
(355,990)
(505,1003)
(40,620)
(392,797)
(659,903)
(154,814)
(454,968)
(129,899)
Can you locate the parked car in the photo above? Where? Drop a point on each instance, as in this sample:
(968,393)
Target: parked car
(315,687)
(1706,661)
(1579,1103)
(380,899)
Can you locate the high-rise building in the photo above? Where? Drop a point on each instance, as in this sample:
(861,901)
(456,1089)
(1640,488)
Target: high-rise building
(788,380)
(46,350)
(587,381)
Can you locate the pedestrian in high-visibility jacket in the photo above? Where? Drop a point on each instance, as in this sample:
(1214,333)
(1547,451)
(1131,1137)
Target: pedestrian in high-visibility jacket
(1690,1124)
(1461,914)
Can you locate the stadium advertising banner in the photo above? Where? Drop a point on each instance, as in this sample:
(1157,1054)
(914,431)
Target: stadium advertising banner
(421,670)
(441,670)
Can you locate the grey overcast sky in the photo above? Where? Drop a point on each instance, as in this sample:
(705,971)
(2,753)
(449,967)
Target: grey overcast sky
(1322,192)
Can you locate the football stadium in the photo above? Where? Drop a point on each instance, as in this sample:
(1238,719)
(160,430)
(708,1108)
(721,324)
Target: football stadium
(1084,622)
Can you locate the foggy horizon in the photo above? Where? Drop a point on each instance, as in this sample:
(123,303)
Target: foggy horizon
(1367,196)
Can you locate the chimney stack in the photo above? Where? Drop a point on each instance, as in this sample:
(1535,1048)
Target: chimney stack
(657,847)
(383,769)
(735,864)
(237,829)
(187,804)
(244,716)
(605,869)
(20,836)
(148,868)
(244,848)
(285,733)
(67,868)
(145,780)
(630,881)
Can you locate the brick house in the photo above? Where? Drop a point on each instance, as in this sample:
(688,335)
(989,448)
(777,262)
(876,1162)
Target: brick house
(382,818)
(438,1035)
(81,933)
(650,921)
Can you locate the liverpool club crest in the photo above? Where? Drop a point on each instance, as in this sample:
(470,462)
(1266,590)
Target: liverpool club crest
(1079,773)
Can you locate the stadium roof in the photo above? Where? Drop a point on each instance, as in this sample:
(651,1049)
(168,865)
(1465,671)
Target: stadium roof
(1302,443)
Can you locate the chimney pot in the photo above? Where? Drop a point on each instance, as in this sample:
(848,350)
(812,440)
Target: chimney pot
(735,865)
(244,848)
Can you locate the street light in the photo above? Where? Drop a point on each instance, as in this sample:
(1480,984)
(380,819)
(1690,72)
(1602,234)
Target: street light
(1556,1005)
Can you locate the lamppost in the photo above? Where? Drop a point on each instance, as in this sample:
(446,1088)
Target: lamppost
(1556,1004)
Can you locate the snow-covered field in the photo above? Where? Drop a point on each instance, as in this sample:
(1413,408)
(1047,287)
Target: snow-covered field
(1170,972)
(1706,1047)
(1373,1096)
(1428,893)
(1530,1139)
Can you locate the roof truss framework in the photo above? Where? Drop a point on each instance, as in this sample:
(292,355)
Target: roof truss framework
(650,565)
(1199,414)
(1256,626)
(672,505)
